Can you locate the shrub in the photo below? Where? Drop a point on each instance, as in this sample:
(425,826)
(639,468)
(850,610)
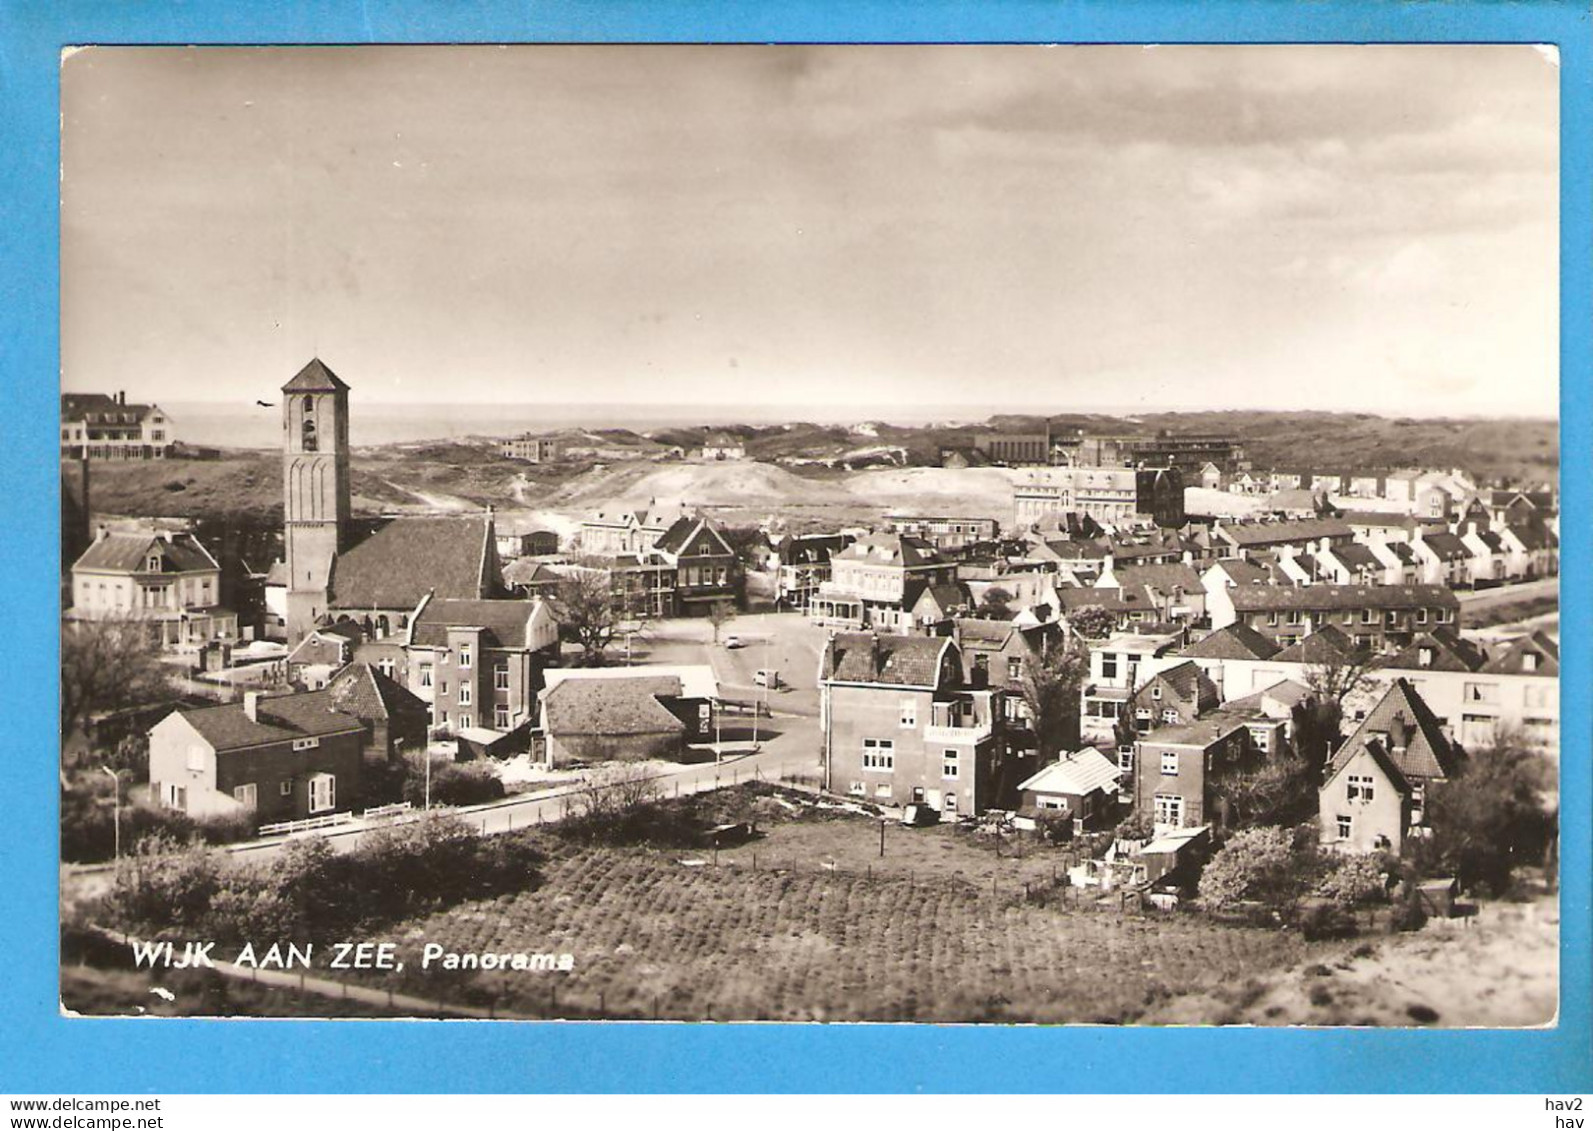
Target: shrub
(1409,914)
(1262,864)
(1326,921)
(165,884)
(1353,881)
(454,783)
(1054,827)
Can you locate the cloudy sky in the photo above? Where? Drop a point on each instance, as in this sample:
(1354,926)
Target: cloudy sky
(1015,227)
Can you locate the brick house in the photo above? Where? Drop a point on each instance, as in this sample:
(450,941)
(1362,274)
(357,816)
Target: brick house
(802,564)
(706,569)
(281,758)
(1173,768)
(396,721)
(1172,696)
(901,727)
(480,664)
(322,652)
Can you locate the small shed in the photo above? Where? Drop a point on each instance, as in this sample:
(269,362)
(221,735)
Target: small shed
(1437,897)
(1083,785)
(1174,850)
(484,742)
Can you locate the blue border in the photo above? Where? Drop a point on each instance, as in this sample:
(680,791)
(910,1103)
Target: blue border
(41,1052)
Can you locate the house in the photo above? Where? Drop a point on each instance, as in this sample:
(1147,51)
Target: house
(322,652)
(723,446)
(802,563)
(526,543)
(1174,768)
(1210,477)
(938,605)
(901,726)
(1478,696)
(280,758)
(1326,647)
(1115,673)
(1442,558)
(530,448)
(1353,563)
(477,664)
(1175,695)
(625,714)
(1271,713)
(1488,558)
(98,426)
(1174,591)
(1227,574)
(1245,539)
(1374,788)
(1082,785)
(876,581)
(373,573)
(167,579)
(706,570)
(637,531)
(943,533)
(1004,655)
(1530,551)
(1377,617)
(395,720)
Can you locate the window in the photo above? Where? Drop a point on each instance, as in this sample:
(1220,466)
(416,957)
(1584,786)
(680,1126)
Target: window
(1156,692)
(500,718)
(500,676)
(1169,762)
(323,793)
(1272,619)
(425,675)
(855,789)
(1368,616)
(464,655)
(948,803)
(306,743)
(1170,716)
(1125,759)
(1108,665)
(1296,616)
(1358,787)
(1529,661)
(948,765)
(466,722)
(385,666)
(464,693)
(1015,668)
(883,790)
(442,687)
(879,754)
(196,759)
(1169,809)
(1345,824)
(1421,616)
(176,796)
(308,434)
(246,796)
(285,789)
(909,713)
(153,564)
(1481,693)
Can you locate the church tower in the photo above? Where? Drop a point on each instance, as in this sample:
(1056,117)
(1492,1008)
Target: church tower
(315,489)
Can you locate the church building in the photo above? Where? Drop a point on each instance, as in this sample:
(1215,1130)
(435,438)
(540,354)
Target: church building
(376,572)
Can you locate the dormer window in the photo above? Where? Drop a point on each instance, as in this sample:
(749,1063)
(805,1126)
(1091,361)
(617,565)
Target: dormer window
(153,564)
(1424,657)
(1529,661)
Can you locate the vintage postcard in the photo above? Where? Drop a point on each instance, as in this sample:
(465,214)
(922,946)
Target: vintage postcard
(997,534)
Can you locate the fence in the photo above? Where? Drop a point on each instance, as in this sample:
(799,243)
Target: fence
(306,825)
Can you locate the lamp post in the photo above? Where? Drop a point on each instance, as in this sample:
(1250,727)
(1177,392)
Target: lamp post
(116,812)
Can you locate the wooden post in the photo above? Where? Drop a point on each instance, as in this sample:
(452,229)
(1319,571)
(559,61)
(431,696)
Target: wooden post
(882,838)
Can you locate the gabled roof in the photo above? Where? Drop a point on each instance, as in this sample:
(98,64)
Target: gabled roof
(1236,642)
(1531,537)
(861,657)
(885,548)
(1415,740)
(315,378)
(362,691)
(612,707)
(1076,775)
(1512,661)
(810,549)
(130,553)
(504,624)
(1263,598)
(279,718)
(1189,682)
(1243,572)
(1286,693)
(694,534)
(1445,545)
(407,558)
(1356,556)
(1327,645)
(322,646)
(1447,651)
(946,597)
(1271,533)
(1165,577)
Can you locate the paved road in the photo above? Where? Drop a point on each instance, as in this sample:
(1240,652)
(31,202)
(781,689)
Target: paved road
(1508,594)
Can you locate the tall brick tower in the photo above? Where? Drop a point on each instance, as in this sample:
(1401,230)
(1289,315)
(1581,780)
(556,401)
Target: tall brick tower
(315,489)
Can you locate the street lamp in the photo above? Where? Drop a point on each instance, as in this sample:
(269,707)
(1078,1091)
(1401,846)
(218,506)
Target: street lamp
(116,812)
(763,696)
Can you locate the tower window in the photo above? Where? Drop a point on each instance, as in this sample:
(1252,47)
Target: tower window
(309,404)
(309,435)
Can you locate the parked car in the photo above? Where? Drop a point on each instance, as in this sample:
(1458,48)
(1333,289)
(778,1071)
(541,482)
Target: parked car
(733,642)
(766,677)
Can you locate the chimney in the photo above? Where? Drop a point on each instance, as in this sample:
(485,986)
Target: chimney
(251,705)
(121,396)
(101,532)
(1399,733)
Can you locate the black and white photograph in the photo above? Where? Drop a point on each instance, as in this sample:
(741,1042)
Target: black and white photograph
(965,533)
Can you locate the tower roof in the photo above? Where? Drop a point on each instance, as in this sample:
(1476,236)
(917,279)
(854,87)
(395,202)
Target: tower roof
(315,378)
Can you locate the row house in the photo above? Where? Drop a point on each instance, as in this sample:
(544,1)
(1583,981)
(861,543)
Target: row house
(478,664)
(1376,617)
(1374,789)
(165,579)
(943,533)
(1245,539)
(1442,558)
(1481,695)
(1354,563)
(876,581)
(902,727)
(98,426)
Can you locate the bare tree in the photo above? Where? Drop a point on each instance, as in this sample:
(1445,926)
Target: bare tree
(719,614)
(588,612)
(108,665)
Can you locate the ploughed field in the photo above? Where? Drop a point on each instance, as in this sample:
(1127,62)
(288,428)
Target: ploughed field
(652,936)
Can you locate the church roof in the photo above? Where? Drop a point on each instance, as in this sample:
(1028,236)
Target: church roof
(315,378)
(448,557)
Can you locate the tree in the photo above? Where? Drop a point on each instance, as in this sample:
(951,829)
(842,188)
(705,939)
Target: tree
(1272,865)
(588,613)
(108,664)
(1488,818)
(1093,621)
(719,613)
(997,604)
(1279,790)
(1050,688)
(1334,682)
